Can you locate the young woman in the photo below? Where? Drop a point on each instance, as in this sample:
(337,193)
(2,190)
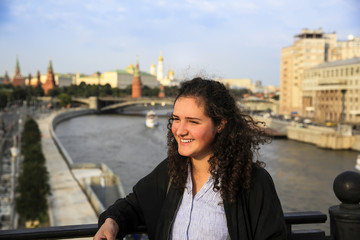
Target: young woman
(211,186)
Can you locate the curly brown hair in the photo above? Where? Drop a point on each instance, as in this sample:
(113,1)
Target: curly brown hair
(233,148)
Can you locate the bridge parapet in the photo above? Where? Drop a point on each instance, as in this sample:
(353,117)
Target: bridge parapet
(122,103)
(112,103)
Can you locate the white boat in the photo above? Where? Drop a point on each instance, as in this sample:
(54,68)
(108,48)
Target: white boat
(151,119)
(357,166)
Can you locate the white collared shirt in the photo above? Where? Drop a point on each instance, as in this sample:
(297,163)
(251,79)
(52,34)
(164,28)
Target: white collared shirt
(202,216)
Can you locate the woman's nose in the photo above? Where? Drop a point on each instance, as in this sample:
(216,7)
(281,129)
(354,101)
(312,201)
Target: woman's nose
(181,129)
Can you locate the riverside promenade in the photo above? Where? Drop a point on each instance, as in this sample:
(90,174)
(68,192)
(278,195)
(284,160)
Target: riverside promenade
(68,204)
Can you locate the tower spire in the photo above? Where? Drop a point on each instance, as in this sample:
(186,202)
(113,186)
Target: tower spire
(50,68)
(17,79)
(17,67)
(6,78)
(136,73)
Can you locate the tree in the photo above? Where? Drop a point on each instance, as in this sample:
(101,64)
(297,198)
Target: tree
(64,99)
(276,97)
(171,91)
(33,181)
(19,93)
(30,134)
(3,100)
(39,91)
(54,92)
(33,189)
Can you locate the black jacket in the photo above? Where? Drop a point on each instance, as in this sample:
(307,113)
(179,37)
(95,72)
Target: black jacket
(256,215)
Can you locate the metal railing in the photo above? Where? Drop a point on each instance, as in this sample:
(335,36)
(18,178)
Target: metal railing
(89,230)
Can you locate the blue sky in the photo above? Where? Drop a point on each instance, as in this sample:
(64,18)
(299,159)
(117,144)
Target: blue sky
(227,38)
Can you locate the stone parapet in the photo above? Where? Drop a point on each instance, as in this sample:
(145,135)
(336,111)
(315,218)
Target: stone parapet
(321,137)
(68,205)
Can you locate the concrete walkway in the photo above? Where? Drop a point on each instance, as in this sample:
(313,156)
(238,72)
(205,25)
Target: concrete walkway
(68,203)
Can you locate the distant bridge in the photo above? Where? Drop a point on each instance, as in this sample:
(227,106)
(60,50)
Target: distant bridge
(103,104)
(110,104)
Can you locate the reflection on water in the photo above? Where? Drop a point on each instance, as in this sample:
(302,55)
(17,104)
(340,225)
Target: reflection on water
(303,174)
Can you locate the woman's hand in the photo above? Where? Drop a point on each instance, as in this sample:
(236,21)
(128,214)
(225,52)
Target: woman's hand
(107,231)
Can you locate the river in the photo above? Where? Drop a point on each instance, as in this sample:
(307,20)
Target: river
(303,173)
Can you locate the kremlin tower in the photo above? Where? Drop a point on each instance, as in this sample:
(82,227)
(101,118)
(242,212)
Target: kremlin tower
(6,78)
(162,92)
(18,79)
(136,84)
(50,80)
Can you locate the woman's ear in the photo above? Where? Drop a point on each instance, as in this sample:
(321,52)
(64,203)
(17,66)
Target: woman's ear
(221,126)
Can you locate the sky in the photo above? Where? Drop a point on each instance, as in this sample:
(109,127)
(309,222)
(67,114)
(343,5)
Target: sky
(210,38)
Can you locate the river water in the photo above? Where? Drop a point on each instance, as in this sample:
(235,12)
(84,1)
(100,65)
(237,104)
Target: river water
(303,174)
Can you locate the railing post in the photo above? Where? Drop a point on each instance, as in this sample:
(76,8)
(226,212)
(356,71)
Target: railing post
(345,218)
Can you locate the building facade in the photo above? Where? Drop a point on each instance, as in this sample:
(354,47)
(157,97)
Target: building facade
(331,91)
(61,80)
(310,48)
(117,79)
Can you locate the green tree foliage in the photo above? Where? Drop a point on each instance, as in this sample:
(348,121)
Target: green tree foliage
(17,94)
(31,133)
(92,90)
(106,90)
(64,99)
(276,97)
(3,100)
(54,92)
(239,93)
(150,92)
(33,189)
(171,91)
(33,181)
(32,152)
(39,91)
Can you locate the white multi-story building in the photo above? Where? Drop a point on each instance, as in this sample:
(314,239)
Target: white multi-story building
(310,48)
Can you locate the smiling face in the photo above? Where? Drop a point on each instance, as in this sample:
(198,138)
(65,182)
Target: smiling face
(192,129)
